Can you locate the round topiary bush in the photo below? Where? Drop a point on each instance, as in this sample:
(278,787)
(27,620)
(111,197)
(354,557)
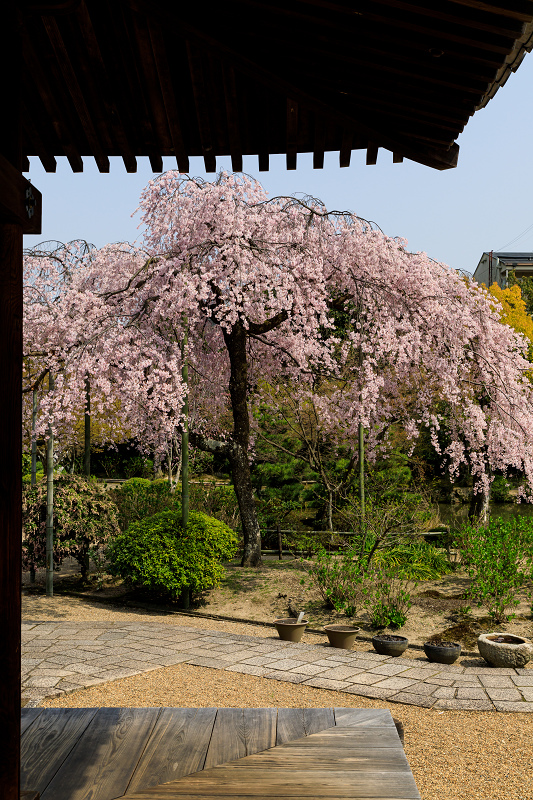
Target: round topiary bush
(158,555)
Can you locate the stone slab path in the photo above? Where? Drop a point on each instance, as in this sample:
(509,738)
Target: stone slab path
(59,657)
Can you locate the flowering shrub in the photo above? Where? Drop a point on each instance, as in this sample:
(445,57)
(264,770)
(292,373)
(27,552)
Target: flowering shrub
(85,517)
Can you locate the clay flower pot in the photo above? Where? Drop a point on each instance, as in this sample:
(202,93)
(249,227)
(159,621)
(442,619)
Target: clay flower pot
(387,644)
(342,636)
(504,649)
(442,652)
(290,629)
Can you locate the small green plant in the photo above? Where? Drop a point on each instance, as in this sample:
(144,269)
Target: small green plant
(500,490)
(340,579)
(388,598)
(498,559)
(158,555)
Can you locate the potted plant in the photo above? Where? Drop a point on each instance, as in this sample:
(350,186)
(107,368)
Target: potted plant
(442,652)
(291,629)
(504,649)
(388,644)
(342,636)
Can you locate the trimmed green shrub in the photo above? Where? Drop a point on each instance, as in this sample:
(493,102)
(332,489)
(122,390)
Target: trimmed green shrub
(85,517)
(138,498)
(158,555)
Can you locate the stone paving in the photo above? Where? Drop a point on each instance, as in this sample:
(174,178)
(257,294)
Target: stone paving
(59,657)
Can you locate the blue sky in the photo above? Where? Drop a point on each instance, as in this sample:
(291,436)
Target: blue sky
(454,215)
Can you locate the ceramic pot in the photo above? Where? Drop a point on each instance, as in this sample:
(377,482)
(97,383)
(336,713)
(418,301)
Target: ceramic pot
(289,629)
(442,652)
(389,644)
(505,649)
(342,636)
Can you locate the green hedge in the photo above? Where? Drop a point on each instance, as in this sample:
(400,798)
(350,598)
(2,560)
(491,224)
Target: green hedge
(157,555)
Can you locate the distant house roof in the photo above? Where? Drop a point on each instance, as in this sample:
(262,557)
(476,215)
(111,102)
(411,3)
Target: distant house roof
(254,77)
(495,266)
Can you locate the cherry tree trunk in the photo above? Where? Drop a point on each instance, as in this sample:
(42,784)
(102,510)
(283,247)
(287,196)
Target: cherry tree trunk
(236,341)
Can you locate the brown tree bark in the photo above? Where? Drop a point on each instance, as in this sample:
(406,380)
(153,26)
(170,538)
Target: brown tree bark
(238,451)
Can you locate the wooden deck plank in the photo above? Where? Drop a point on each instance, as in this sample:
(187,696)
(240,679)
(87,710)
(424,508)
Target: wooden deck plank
(47,743)
(27,717)
(318,719)
(102,762)
(259,729)
(313,766)
(373,717)
(228,741)
(290,725)
(178,746)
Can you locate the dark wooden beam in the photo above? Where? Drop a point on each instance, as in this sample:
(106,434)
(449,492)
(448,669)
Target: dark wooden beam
(111,127)
(74,89)
(169,96)
(48,96)
(263,162)
(156,162)
(292,133)
(345,152)
(320,141)
(202,115)
(232,117)
(397,158)
(372,153)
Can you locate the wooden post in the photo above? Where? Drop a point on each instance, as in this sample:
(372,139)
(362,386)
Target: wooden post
(20,212)
(10,503)
(280,543)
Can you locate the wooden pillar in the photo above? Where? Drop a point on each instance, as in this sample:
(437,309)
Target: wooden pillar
(20,212)
(10,503)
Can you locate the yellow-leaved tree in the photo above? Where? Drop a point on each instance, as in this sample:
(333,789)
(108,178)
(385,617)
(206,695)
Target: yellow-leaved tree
(514,312)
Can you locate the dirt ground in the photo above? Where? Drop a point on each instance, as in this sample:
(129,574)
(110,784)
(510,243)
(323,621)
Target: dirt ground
(282,588)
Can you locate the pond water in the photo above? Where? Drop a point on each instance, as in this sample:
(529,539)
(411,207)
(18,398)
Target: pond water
(457,513)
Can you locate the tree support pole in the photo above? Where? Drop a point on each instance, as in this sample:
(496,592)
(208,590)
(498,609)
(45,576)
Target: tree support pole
(361,437)
(186,594)
(87,430)
(50,505)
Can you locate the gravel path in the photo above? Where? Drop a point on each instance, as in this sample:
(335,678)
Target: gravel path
(453,754)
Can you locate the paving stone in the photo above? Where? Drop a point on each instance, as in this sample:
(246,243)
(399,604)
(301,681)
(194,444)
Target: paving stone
(497,681)
(247,669)
(471,694)
(327,683)
(395,683)
(420,673)
(413,699)
(116,673)
(464,684)
(290,677)
(368,691)
(51,673)
(388,669)
(523,671)
(340,673)
(522,680)
(521,708)
(366,678)
(527,693)
(489,671)
(311,669)
(444,693)
(84,669)
(259,661)
(421,688)
(504,694)
(328,663)
(207,662)
(436,680)
(41,683)
(464,705)
(285,664)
